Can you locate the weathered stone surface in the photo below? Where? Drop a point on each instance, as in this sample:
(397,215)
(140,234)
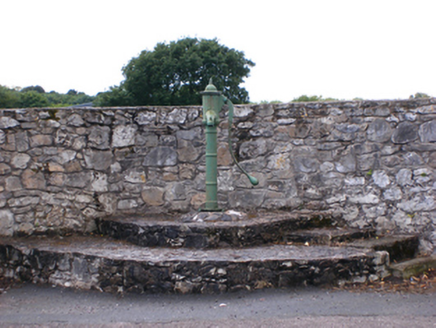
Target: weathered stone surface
(427,131)
(41,140)
(161,156)
(187,152)
(346,163)
(75,120)
(99,137)
(111,266)
(33,180)
(252,149)
(146,118)
(135,176)
(8,122)
(6,222)
(22,141)
(246,199)
(78,180)
(4,169)
(153,196)
(404,133)
(379,131)
(13,184)
(381,179)
(176,116)
(20,161)
(98,160)
(364,158)
(306,164)
(123,136)
(99,182)
(393,194)
(127,204)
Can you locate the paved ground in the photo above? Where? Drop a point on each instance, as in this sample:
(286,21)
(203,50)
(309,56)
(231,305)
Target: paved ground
(306,307)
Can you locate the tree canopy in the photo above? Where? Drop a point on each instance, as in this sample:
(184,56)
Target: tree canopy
(35,96)
(175,73)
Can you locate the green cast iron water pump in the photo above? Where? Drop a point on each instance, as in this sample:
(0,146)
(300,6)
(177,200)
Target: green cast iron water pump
(213,101)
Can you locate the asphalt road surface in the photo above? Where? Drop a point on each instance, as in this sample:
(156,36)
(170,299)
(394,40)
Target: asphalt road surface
(30,305)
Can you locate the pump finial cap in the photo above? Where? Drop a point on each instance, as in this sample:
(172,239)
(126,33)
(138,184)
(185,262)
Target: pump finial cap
(210,86)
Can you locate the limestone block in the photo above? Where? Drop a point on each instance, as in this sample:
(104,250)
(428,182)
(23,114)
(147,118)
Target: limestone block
(55,167)
(354,181)
(285,121)
(381,179)
(223,154)
(153,196)
(99,182)
(135,176)
(243,111)
(383,223)
(33,180)
(187,152)
(99,137)
(176,191)
(41,140)
(412,159)
(75,120)
(379,131)
(20,161)
(176,116)
(127,204)
(109,202)
(6,223)
(364,199)
(8,122)
(161,156)
(13,184)
(346,164)
(57,179)
(404,133)
(263,129)
(280,162)
(22,141)
(123,136)
(191,134)
(417,204)
(187,171)
(2,137)
(426,109)
(427,131)
(146,118)
(393,194)
(98,160)
(253,149)
(4,169)
(247,199)
(78,180)
(23,201)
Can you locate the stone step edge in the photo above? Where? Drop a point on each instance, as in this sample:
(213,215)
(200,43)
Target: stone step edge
(399,247)
(85,270)
(413,267)
(209,234)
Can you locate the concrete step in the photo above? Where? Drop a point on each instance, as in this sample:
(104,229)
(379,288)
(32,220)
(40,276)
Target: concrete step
(413,267)
(116,266)
(211,230)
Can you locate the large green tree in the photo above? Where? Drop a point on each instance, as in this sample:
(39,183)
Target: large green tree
(175,73)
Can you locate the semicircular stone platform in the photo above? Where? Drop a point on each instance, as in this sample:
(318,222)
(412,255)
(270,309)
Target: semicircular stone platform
(188,254)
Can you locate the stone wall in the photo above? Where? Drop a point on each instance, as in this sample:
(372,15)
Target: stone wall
(372,161)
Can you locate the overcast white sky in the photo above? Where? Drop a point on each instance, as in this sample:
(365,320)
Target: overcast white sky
(379,49)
